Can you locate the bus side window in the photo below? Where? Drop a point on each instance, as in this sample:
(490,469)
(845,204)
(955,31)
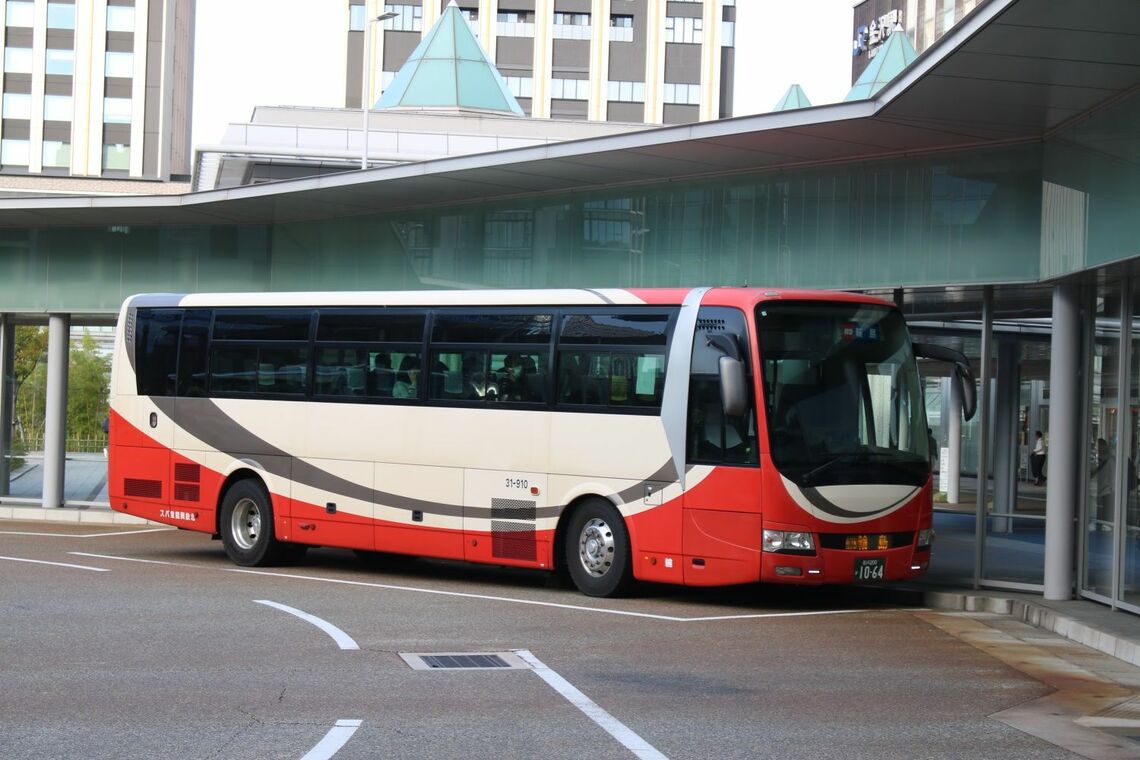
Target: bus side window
(193,352)
(156,351)
(713,437)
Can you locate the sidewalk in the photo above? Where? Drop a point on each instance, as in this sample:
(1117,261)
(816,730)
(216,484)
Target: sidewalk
(1110,631)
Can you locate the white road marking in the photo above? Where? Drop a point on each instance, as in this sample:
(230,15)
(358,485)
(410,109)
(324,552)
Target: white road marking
(83,535)
(336,738)
(58,564)
(575,607)
(132,559)
(343,640)
(614,727)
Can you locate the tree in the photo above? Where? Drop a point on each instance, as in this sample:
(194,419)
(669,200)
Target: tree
(88,384)
(28,364)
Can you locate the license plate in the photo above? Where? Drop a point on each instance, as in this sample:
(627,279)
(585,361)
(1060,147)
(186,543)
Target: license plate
(870,569)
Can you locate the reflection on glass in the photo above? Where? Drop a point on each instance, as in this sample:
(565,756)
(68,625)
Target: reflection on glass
(1131,569)
(1100,487)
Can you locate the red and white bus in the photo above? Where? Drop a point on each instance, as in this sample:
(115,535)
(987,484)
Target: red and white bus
(611,434)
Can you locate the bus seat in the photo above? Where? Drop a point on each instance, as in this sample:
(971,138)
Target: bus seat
(354,380)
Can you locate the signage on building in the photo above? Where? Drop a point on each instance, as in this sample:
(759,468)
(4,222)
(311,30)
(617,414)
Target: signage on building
(870,37)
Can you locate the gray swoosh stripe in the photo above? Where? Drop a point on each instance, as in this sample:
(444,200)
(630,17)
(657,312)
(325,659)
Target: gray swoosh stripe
(824,505)
(209,424)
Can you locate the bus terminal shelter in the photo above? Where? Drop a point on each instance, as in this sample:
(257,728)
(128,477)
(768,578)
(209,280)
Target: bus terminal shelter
(991,190)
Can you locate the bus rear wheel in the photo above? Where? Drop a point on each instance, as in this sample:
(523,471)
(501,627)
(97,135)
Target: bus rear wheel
(247,526)
(597,550)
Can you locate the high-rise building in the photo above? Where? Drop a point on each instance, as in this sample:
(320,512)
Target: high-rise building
(96,95)
(924,22)
(652,61)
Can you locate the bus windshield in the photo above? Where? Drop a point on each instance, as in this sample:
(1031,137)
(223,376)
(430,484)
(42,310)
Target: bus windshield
(842,393)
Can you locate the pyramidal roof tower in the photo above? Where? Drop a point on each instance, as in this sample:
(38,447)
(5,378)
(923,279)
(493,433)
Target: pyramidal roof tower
(894,56)
(794,98)
(449,69)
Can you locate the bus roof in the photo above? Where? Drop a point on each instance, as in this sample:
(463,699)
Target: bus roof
(727,296)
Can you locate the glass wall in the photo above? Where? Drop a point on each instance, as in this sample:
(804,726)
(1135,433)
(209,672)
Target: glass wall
(950,218)
(1103,414)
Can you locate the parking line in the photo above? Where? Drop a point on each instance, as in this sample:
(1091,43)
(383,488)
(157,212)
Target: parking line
(131,559)
(83,535)
(58,564)
(533,602)
(336,738)
(614,727)
(342,639)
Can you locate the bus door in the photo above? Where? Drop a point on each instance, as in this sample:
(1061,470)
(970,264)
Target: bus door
(721,522)
(142,428)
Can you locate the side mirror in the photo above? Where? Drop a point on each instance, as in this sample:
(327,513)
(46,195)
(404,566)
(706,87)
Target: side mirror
(733,386)
(962,373)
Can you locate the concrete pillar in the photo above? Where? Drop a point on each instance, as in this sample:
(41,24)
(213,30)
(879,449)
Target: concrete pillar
(55,412)
(954,443)
(1065,438)
(7,388)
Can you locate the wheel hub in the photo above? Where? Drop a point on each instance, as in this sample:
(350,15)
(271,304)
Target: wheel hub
(596,547)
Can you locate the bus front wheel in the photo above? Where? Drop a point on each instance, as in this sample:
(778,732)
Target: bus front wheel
(247,526)
(597,550)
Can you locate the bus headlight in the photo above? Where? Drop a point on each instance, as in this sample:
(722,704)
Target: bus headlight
(925,538)
(788,542)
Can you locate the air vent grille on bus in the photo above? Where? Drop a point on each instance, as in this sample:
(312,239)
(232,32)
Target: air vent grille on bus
(145,489)
(188,473)
(512,529)
(187,492)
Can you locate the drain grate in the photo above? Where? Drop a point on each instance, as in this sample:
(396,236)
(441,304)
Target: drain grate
(464,661)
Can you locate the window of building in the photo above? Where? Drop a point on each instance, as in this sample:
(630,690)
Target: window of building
(17,105)
(570,89)
(120,18)
(683,29)
(621,28)
(119,65)
(117,157)
(116,110)
(514,23)
(19,13)
(60,62)
(14,152)
(17,60)
(56,153)
(521,87)
(411,18)
(625,92)
(356,18)
(681,94)
(61,16)
(727,33)
(57,108)
(571,26)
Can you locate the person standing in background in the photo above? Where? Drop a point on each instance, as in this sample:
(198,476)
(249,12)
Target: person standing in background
(1037,459)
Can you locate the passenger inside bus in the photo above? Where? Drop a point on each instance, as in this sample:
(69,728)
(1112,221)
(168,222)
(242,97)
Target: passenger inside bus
(407,378)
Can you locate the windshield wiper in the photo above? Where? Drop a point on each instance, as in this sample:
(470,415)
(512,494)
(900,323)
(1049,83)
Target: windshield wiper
(827,465)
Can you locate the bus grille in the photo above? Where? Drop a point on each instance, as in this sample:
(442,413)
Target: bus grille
(512,529)
(145,489)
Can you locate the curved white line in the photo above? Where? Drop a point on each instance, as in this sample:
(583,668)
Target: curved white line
(342,639)
(336,738)
(58,564)
(614,727)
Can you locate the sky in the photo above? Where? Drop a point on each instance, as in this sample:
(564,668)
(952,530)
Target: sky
(778,43)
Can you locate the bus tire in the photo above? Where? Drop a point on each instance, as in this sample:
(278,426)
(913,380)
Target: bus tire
(597,550)
(247,526)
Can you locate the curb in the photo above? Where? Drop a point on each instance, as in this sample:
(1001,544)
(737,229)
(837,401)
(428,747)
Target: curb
(74,515)
(1039,616)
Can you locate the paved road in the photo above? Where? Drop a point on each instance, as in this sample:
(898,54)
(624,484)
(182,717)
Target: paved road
(150,644)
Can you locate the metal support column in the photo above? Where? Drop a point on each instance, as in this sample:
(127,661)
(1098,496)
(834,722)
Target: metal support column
(55,412)
(953,443)
(983,430)
(7,389)
(1065,438)
(1005,435)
